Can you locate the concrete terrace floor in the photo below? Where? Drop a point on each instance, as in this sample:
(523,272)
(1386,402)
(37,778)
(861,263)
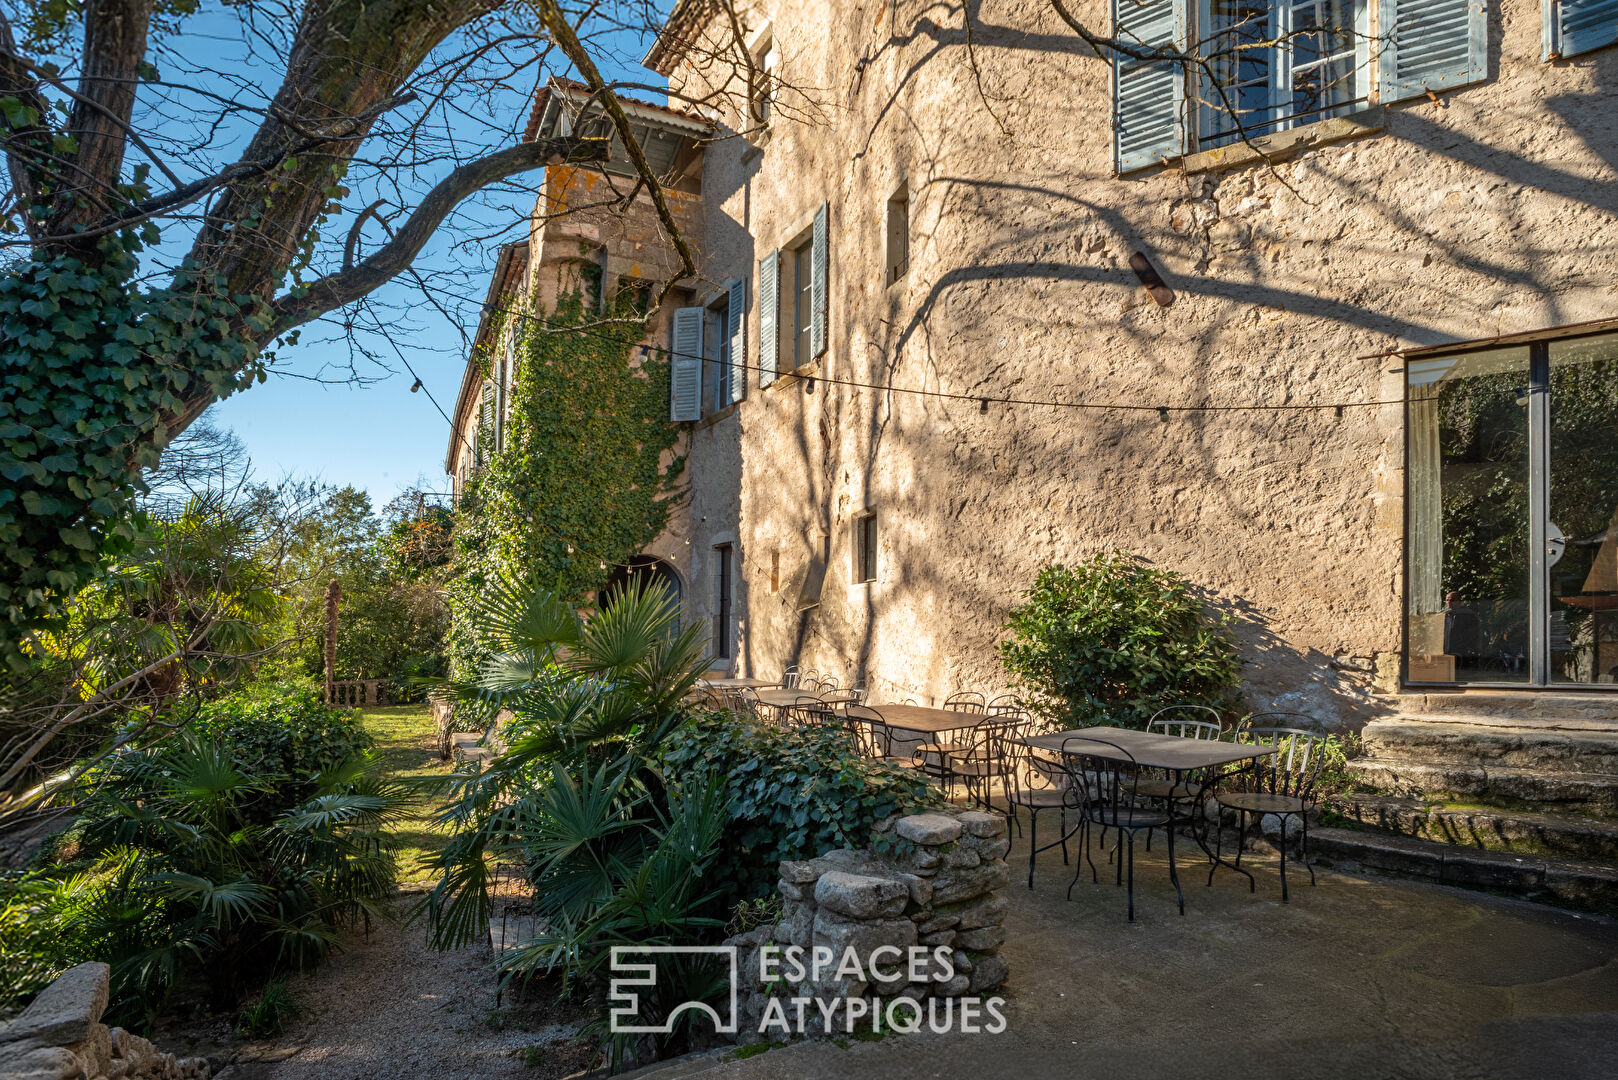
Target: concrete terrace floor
(1359,977)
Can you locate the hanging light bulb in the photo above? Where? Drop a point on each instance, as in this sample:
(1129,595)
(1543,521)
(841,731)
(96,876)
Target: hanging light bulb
(415,386)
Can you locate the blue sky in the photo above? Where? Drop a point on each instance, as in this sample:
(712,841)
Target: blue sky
(308,419)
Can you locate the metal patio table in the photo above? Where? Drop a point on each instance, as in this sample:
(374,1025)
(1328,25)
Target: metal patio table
(1172,753)
(926,720)
(738,684)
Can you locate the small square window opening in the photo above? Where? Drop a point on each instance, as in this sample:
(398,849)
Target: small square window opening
(865,548)
(897,261)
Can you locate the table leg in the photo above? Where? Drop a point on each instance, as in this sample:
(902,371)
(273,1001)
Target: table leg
(1216,856)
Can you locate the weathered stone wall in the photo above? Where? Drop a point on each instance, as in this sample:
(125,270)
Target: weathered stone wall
(938,892)
(1493,210)
(60,1036)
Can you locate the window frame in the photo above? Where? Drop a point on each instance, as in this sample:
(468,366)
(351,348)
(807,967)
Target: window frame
(896,241)
(724,645)
(718,322)
(866,548)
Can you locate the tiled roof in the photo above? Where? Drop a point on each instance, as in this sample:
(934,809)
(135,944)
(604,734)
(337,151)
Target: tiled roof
(572,87)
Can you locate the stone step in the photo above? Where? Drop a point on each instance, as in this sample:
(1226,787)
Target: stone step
(1539,789)
(1565,882)
(1591,708)
(1493,744)
(1575,836)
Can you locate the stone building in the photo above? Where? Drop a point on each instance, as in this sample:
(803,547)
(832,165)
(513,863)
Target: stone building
(973,300)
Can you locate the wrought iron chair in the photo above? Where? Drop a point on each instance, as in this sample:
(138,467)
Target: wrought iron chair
(837,699)
(872,736)
(978,762)
(1107,787)
(1005,703)
(1282,784)
(965,701)
(1034,782)
(743,700)
(1186,722)
(790,676)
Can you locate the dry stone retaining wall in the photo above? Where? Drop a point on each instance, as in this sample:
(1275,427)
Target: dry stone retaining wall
(61,1037)
(936,890)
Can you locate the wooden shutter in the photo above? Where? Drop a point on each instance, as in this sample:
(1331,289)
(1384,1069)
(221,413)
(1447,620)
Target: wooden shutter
(1577,26)
(769,322)
(1431,45)
(736,328)
(685,366)
(1148,98)
(819,255)
(483,441)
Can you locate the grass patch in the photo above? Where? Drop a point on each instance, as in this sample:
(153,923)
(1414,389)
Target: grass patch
(405,751)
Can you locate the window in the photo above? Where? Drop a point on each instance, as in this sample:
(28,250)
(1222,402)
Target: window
(897,259)
(719,373)
(802,301)
(792,292)
(865,547)
(1277,64)
(685,365)
(775,572)
(762,92)
(723,569)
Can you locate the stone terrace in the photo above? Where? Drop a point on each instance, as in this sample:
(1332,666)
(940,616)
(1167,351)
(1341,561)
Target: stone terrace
(1358,977)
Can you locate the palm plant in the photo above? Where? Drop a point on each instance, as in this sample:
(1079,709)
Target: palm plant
(200,865)
(576,797)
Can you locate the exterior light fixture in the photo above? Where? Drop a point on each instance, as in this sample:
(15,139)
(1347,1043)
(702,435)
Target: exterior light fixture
(415,386)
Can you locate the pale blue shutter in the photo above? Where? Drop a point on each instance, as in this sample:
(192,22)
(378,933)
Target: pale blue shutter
(1577,26)
(685,367)
(1431,45)
(1148,97)
(769,306)
(819,254)
(736,318)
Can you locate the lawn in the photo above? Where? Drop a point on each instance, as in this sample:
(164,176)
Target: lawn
(404,746)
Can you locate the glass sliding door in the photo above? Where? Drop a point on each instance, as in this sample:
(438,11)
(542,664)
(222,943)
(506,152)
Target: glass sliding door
(1512,515)
(1582,535)
(1467,558)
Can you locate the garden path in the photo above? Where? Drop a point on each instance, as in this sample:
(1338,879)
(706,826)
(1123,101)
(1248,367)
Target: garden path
(387,1006)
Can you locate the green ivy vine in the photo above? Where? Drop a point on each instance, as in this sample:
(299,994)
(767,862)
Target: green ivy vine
(91,360)
(585,479)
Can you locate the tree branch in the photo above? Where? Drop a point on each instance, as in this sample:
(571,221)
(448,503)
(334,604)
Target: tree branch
(333,291)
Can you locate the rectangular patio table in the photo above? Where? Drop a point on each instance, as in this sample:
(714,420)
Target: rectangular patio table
(783,698)
(928,721)
(737,684)
(1154,750)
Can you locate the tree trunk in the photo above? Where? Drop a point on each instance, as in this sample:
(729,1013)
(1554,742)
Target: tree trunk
(334,592)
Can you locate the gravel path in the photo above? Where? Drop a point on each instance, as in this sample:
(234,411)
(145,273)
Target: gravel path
(392,1007)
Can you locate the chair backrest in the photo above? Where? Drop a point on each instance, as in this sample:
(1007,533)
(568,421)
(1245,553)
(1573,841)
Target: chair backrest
(871,734)
(968,701)
(1106,785)
(837,699)
(790,675)
(809,710)
(1294,768)
(861,694)
(1026,768)
(744,700)
(1187,722)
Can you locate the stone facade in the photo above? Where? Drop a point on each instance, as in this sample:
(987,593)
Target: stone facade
(936,893)
(60,1036)
(1489,210)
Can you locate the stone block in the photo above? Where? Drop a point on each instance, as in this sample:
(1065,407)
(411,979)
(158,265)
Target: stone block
(989,973)
(961,857)
(789,891)
(797,926)
(931,830)
(990,849)
(862,936)
(939,937)
(953,885)
(39,1063)
(800,873)
(955,987)
(987,912)
(861,896)
(982,940)
(985,826)
(921,889)
(65,1011)
(939,921)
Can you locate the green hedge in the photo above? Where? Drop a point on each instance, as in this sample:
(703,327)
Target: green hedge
(284,729)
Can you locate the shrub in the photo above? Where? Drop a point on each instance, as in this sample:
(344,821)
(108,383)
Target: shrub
(794,793)
(195,863)
(269,1015)
(285,729)
(1113,640)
